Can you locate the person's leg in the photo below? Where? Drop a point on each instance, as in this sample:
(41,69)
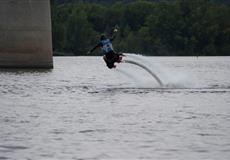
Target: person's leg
(111,57)
(118,57)
(108,58)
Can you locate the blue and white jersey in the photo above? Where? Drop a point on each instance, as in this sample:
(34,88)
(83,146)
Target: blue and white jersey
(106,46)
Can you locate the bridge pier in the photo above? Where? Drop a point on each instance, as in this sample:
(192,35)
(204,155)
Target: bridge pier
(25,34)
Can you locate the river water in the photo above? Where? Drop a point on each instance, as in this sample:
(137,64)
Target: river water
(82,110)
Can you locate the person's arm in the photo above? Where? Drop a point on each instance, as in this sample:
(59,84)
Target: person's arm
(97,46)
(115,30)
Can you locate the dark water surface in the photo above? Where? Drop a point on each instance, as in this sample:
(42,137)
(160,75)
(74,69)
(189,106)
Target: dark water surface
(82,110)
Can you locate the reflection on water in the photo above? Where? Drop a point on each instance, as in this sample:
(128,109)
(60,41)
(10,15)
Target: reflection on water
(82,110)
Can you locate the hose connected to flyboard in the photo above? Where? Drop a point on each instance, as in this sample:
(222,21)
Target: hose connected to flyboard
(142,66)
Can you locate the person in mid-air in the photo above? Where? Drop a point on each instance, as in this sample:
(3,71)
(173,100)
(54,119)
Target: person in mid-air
(110,56)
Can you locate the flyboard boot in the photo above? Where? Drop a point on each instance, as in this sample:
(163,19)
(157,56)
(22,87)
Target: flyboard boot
(110,61)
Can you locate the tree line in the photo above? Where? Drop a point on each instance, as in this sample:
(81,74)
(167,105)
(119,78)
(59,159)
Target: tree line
(164,28)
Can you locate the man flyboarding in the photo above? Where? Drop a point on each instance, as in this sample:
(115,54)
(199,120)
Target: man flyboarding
(110,56)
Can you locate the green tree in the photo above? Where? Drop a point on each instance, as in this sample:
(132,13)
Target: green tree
(166,28)
(79,33)
(137,12)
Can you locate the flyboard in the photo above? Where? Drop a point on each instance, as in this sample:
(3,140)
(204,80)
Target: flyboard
(145,68)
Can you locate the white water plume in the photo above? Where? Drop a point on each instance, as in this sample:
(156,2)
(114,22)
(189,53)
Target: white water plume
(169,78)
(137,81)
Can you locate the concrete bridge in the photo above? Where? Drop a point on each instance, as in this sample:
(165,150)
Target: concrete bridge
(25,34)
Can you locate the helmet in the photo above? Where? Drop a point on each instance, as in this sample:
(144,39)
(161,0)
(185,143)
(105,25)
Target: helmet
(103,37)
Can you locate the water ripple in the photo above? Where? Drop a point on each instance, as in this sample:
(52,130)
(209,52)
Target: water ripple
(81,110)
